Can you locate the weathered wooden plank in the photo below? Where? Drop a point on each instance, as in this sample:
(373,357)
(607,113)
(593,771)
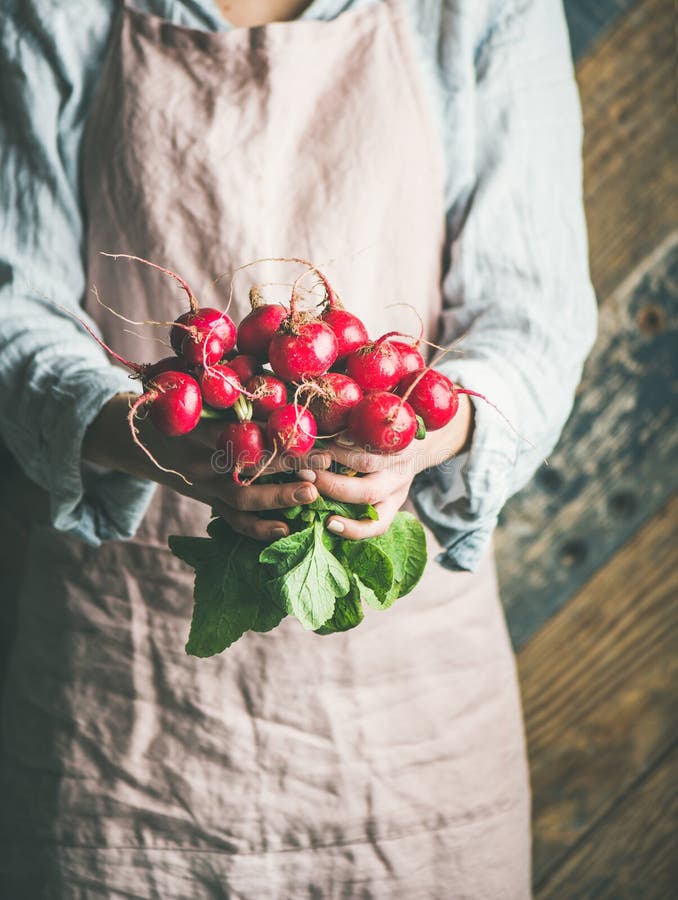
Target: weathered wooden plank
(628,95)
(598,686)
(587,21)
(613,467)
(632,854)
(616,462)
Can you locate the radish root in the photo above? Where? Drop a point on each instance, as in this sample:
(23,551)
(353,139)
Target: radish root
(260,471)
(119,315)
(416,312)
(137,368)
(182,283)
(134,407)
(332,298)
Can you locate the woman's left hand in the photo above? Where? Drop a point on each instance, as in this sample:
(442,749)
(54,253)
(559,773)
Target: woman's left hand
(388,477)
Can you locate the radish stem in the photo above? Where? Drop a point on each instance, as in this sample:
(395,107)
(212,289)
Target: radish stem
(183,284)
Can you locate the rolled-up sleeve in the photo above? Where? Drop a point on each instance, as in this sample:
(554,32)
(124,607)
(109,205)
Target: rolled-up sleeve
(54,378)
(517,295)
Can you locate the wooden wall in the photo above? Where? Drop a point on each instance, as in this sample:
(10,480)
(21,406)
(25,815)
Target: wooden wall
(587,553)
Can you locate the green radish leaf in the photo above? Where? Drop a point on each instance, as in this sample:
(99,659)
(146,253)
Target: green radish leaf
(285,553)
(192,550)
(270,613)
(320,578)
(412,539)
(348,612)
(405,545)
(219,529)
(372,568)
(325,506)
(420,433)
(332,541)
(230,596)
(368,596)
(311,579)
(347,510)
(291,513)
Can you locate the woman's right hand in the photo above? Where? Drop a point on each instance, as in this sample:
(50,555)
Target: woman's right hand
(108,442)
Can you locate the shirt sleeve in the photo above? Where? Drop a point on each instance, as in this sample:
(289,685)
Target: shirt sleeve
(517,294)
(54,378)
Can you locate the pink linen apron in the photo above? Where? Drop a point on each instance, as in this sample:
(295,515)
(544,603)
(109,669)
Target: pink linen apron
(384,763)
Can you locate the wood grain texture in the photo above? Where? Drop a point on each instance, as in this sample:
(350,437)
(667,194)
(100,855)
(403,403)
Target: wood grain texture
(616,462)
(632,853)
(598,687)
(628,96)
(613,467)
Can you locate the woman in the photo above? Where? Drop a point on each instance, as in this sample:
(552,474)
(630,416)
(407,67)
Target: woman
(430,152)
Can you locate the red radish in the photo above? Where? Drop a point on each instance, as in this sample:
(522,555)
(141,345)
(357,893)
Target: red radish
(244,445)
(220,386)
(303,347)
(176,394)
(382,422)
(209,334)
(245,367)
(377,366)
(431,395)
(334,397)
(350,331)
(175,402)
(178,331)
(438,400)
(267,393)
(410,355)
(196,335)
(291,429)
(258,327)
(167,364)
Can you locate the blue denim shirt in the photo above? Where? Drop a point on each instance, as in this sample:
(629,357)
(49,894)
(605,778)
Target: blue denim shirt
(517,287)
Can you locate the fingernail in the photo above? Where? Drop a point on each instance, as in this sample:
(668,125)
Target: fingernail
(345,441)
(306,474)
(278,532)
(335,526)
(304,494)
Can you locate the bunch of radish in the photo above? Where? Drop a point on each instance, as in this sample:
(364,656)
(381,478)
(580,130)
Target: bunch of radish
(288,375)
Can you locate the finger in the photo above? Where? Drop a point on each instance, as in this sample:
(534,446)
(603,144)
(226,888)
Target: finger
(356,457)
(315,459)
(253,526)
(359,529)
(290,464)
(368,489)
(255,498)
